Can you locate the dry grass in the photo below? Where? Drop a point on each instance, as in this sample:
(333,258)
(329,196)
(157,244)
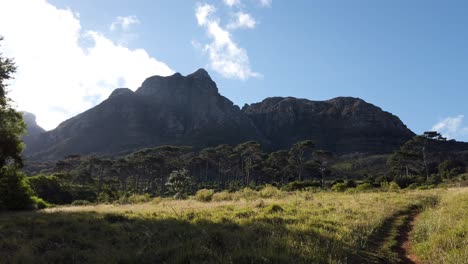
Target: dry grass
(299,227)
(441,232)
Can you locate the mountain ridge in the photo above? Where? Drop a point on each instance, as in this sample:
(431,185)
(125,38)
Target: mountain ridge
(189,110)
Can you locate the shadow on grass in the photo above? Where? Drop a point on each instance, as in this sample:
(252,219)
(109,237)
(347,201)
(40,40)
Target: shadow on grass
(388,240)
(85,237)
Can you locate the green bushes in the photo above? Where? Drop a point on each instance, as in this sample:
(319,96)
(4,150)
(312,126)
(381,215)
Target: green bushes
(223,196)
(339,187)
(39,203)
(300,185)
(134,199)
(365,187)
(15,193)
(270,192)
(204,195)
(54,189)
(274,208)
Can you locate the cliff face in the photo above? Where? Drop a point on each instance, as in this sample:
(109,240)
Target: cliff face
(341,125)
(182,110)
(188,110)
(33,130)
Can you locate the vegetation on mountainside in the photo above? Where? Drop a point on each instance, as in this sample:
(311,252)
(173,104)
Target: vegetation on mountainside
(232,168)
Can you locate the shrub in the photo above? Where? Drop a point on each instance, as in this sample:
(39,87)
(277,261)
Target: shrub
(204,195)
(80,202)
(223,196)
(247,194)
(269,192)
(351,184)
(50,188)
(134,199)
(393,186)
(339,187)
(39,203)
(364,187)
(15,193)
(300,185)
(179,183)
(274,208)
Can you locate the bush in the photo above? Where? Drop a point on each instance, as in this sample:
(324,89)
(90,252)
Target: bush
(204,195)
(179,183)
(223,196)
(270,191)
(393,186)
(274,208)
(39,203)
(351,184)
(50,188)
(339,187)
(364,187)
(300,185)
(247,194)
(80,202)
(134,199)
(15,193)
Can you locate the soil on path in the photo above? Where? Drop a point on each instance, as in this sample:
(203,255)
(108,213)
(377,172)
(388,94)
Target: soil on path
(405,245)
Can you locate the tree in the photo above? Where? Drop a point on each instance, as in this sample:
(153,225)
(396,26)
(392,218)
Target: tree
(250,154)
(11,121)
(423,144)
(179,183)
(278,161)
(322,158)
(14,192)
(298,155)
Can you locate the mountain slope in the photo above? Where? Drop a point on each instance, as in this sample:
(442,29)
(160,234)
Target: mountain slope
(341,125)
(188,110)
(33,130)
(164,110)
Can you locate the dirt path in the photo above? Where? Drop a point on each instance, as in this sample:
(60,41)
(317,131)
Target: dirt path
(404,245)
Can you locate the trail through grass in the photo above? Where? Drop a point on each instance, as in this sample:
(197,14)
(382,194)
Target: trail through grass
(298,227)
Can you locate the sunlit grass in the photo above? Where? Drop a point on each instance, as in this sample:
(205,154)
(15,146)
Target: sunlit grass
(296,227)
(441,232)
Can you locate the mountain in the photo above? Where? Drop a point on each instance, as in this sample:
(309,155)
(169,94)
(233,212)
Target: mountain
(182,110)
(188,110)
(342,124)
(33,130)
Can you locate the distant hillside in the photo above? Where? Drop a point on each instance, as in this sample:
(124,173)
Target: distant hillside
(188,110)
(342,124)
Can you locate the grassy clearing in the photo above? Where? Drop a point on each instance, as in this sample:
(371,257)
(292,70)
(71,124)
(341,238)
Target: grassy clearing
(295,227)
(441,232)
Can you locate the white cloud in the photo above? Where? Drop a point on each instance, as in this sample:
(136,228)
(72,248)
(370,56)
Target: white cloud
(226,57)
(242,20)
(451,127)
(231,3)
(265,3)
(124,23)
(57,78)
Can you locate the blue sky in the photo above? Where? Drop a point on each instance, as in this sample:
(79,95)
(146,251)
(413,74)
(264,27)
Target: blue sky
(408,57)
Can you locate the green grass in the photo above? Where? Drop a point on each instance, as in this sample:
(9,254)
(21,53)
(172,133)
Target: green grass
(243,227)
(441,232)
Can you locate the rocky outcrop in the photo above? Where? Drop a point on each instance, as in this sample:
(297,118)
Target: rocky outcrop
(342,125)
(181,110)
(33,130)
(188,110)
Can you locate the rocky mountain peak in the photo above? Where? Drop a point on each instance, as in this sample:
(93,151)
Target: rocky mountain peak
(120,91)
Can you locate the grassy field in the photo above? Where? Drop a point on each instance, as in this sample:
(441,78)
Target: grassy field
(246,227)
(441,233)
